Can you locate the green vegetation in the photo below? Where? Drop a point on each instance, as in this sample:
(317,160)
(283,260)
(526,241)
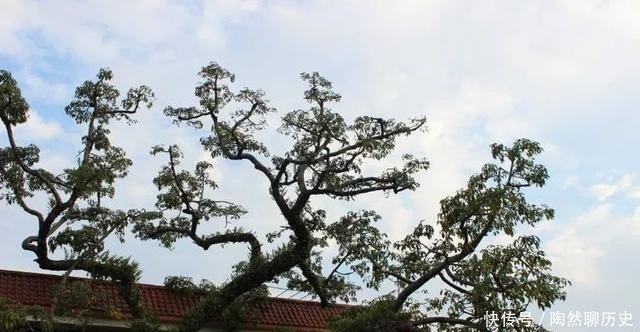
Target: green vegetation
(326,158)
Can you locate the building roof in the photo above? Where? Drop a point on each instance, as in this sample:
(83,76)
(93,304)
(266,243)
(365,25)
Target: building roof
(35,289)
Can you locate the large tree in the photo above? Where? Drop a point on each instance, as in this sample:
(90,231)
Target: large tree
(326,158)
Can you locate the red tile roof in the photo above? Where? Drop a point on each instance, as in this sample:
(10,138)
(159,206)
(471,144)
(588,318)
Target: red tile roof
(35,289)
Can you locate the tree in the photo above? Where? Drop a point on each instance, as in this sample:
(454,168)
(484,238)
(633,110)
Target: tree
(499,280)
(326,159)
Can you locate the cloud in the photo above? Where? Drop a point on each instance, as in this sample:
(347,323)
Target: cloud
(15,16)
(625,185)
(40,89)
(38,129)
(594,250)
(564,73)
(603,191)
(582,245)
(572,251)
(572,181)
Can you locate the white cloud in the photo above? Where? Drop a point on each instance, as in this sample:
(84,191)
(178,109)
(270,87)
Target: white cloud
(603,191)
(15,15)
(480,72)
(573,254)
(625,185)
(594,251)
(572,181)
(40,89)
(580,246)
(37,128)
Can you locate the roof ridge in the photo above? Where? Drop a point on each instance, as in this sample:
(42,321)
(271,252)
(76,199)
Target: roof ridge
(74,278)
(310,302)
(152,286)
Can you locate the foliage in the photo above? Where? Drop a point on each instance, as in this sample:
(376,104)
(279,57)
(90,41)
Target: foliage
(497,278)
(71,301)
(12,316)
(76,219)
(328,157)
(377,316)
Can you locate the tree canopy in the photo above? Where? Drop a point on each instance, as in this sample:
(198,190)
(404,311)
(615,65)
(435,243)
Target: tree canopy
(326,158)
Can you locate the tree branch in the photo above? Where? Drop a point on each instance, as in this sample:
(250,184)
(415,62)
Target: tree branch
(335,269)
(452,285)
(36,173)
(315,283)
(466,250)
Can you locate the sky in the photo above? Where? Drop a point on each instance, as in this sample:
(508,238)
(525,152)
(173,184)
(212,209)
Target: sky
(564,73)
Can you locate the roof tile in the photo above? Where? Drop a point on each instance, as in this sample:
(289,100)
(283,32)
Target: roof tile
(35,289)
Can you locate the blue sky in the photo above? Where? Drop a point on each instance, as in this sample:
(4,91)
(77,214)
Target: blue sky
(564,73)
